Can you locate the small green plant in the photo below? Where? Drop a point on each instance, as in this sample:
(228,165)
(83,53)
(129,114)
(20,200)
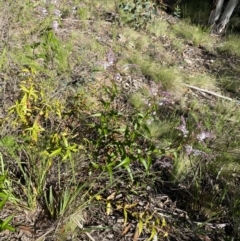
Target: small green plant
(155,224)
(55,52)
(197,34)
(147,221)
(4,196)
(230,45)
(29,114)
(59,204)
(50,50)
(138,12)
(120,141)
(177,11)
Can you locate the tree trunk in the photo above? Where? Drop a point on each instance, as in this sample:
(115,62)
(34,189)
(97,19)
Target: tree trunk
(216,12)
(218,19)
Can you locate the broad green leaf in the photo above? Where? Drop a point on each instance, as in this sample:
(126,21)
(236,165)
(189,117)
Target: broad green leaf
(95,165)
(140,227)
(143,161)
(65,141)
(153,233)
(125,214)
(2,194)
(98,197)
(2,178)
(127,167)
(122,129)
(55,152)
(5,225)
(165,234)
(110,172)
(97,115)
(109,208)
(23,88)
(163,222)
(124,162)
(2,203)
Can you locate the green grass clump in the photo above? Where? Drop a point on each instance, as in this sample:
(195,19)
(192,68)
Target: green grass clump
(158,28)
(170,78)
(137,13)
(194,34)
(230,45)
(203,81)
(5,197)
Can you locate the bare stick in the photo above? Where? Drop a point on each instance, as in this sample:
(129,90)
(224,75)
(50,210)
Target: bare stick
(212,93)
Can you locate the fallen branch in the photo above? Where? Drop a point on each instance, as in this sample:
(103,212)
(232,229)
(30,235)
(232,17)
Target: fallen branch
(212,93)
(42,237)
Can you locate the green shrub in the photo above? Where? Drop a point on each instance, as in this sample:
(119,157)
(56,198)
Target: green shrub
(138,13)
(119,139)
(4,196)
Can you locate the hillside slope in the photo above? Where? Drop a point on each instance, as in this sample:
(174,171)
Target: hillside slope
(117,123)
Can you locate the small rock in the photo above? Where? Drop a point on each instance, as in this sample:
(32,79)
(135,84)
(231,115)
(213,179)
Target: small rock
(188,61)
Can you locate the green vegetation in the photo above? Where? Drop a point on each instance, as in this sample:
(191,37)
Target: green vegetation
(197,11)
(231,45)
(5,196)
(117,121)
(194,34)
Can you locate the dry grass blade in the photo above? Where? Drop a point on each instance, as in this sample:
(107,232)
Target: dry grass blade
(81,227)
(42,237)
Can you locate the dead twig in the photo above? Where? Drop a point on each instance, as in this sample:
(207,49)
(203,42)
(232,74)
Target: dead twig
(212,93)
(81,227)
(42,237)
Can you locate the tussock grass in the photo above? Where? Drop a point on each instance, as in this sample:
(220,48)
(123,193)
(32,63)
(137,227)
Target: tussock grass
(170,78)
(138,102)
(230,83)
(159,129)
(158,28)
(204,81)
(177,44)
(194,34)
(230,45)
(135,40)
(183,166)
(107,5)
(84,13)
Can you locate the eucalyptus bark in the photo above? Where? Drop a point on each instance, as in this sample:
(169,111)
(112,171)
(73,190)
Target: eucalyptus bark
(216,12)
(219,18)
